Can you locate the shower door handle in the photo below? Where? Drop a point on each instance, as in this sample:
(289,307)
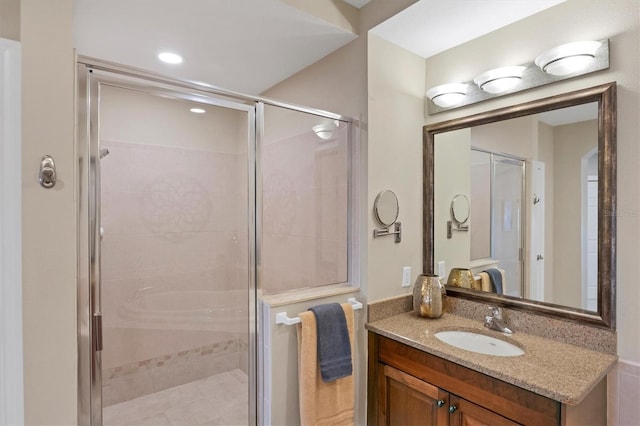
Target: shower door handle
(97,331)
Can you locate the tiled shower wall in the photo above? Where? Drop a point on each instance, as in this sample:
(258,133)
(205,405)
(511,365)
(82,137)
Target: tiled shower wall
(169,255)
(304,224)
(174,285)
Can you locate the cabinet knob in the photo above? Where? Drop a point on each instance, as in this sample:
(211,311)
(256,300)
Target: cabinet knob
(440,403)
(452,409)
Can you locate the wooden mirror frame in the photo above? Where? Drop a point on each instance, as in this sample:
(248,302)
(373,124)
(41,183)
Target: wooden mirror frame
(605,96)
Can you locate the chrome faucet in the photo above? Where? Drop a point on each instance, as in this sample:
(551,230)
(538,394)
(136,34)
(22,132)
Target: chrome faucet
(495,321)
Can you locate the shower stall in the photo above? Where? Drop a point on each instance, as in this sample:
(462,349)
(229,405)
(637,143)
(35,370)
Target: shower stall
(170,223)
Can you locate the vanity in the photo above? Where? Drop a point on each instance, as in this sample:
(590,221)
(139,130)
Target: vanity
(560,302)
(415,378)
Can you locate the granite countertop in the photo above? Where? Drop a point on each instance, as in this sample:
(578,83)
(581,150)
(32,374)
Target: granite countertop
(560,371)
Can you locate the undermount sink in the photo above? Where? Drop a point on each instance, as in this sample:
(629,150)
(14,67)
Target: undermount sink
(480,343)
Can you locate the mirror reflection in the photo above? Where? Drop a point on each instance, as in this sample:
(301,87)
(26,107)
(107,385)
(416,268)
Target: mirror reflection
(532,186)
(460,209)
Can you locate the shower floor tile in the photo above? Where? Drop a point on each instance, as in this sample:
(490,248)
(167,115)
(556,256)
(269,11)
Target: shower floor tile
(216,400)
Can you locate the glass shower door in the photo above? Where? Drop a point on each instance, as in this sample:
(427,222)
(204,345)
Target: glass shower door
(174,196)
(507,221)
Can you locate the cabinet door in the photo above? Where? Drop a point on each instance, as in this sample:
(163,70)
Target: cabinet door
(465,413)
(407,401)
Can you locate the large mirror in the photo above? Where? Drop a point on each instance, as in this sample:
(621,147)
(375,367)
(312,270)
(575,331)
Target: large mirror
(540,180)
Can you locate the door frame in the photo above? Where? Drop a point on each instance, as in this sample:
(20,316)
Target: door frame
(11,353)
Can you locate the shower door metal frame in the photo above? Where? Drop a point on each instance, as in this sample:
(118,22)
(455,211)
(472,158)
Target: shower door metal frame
(89,312)
(521,162)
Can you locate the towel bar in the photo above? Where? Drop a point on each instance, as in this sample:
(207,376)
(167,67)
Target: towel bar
(282,318)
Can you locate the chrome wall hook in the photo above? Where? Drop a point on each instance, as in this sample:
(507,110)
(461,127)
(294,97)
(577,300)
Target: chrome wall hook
(47,172)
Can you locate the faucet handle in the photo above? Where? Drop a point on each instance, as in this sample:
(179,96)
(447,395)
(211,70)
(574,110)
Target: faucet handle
(496,312)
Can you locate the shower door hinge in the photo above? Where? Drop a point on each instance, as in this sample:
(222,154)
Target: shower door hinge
(97,331)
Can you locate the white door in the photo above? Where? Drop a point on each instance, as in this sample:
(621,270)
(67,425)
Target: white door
(591,294)
(536,254)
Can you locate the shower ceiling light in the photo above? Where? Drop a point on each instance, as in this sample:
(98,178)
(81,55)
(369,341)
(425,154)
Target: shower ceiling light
(500,80)
(197,110)
(448,95)
(324,131)
(170,58)
(568,58)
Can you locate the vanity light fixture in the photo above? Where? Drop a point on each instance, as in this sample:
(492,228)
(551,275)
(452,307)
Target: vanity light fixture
(197,110)
(500,80)
(448,95)
(170,58)
(562,62)
(568,58)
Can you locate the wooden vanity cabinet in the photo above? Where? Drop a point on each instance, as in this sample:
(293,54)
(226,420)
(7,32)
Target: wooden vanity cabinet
(407,401)
(411,387)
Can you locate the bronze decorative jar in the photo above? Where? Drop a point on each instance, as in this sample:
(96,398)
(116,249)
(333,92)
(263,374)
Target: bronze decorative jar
(428,295)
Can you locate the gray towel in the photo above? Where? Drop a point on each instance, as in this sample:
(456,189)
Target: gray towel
(496,279)
(334,347)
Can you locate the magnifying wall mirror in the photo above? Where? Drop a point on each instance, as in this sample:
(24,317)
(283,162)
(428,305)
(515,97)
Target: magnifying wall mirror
(541,179)
(386,210)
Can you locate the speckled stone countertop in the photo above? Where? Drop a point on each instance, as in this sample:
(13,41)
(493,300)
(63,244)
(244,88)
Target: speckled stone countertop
(560,371)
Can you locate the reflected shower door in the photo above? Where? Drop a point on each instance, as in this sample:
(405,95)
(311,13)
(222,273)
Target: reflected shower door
(176,292)
(507,221)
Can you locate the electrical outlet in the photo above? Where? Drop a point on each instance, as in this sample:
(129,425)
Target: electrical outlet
(441,269)
(406,276)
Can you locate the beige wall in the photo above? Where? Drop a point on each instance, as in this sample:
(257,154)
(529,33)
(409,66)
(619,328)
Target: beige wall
(10,19)
(517,137)
(571,143)
(49,216)
(524,40)
(396,93)
(452,152)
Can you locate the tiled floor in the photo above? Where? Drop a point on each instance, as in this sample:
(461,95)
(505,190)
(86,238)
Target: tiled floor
(217,400)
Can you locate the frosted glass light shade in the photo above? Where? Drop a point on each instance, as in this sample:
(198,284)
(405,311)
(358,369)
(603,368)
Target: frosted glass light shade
(568,58)
(324,131)
(448,95)
(500,80)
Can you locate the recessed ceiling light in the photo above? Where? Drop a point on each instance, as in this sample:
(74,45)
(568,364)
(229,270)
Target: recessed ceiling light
(170,58)
(197,110)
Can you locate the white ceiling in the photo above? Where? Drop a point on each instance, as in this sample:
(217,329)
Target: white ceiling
(251,45)
(242,45)
(357,3)
(431,26)
(570,115)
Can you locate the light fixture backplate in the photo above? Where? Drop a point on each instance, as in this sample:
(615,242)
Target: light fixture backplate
(532,77)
